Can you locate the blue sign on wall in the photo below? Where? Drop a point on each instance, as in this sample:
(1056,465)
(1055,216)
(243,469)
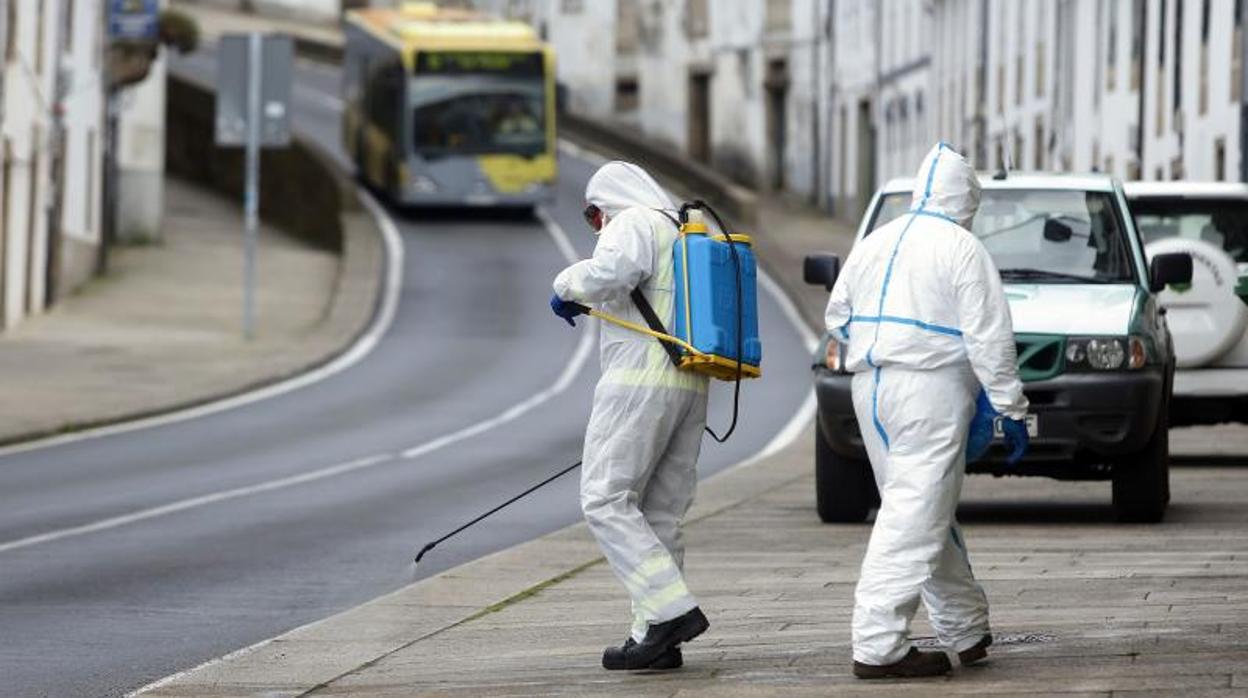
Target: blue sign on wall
(133,20)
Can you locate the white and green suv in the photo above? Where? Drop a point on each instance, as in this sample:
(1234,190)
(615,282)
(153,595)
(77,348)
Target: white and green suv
(1094,349)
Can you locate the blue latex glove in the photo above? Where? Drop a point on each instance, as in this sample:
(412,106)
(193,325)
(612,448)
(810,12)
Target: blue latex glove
(567,309)
(1016,439)
(979,438)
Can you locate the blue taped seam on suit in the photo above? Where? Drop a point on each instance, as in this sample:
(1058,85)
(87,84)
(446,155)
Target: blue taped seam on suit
(933,214)
(875,411)
(893,319)
(888,275)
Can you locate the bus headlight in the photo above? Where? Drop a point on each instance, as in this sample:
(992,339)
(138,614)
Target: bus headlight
(423,185)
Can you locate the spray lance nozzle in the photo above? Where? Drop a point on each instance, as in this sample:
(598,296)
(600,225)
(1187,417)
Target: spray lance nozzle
(434,543)
(427,548)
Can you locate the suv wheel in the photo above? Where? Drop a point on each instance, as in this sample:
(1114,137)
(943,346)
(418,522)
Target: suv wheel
(845,488)
(1142,479)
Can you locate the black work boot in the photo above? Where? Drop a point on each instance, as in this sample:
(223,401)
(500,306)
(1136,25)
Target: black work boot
(914,665)
(660,638)
(977,652)
(613,657)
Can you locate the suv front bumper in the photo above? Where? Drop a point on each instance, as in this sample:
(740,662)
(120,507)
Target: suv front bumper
(1084,421)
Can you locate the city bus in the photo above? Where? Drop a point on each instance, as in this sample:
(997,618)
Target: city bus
(449,107)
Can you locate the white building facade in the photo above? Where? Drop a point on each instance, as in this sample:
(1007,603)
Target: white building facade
(51,120)
(830,98)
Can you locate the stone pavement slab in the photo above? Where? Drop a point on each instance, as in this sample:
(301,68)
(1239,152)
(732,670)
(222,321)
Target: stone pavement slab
(163,329)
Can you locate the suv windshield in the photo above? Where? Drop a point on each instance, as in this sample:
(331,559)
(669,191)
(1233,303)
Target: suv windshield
(1223,222)
(1043,235)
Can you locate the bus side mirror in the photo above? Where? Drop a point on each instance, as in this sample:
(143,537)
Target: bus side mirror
(821,270)
(1169,268)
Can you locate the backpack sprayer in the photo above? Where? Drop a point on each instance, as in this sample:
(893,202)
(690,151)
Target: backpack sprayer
(716,319)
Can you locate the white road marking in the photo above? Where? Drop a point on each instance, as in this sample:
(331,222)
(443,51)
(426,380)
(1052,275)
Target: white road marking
(576,151)
(353,355)
(321,99)
(196,502)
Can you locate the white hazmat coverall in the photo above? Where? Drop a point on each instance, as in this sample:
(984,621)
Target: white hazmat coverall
(922,311)
(645,430)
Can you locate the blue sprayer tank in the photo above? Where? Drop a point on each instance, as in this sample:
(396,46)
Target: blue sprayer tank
(707,291)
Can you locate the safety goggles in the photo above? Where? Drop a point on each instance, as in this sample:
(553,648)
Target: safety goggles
(593,216)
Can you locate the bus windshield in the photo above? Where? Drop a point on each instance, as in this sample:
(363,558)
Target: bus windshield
(478,103)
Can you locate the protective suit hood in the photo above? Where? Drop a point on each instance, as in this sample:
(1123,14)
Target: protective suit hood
(946,185)
(618,186)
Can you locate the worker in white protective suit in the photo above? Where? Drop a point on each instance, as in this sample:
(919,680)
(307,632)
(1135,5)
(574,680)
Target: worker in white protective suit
(921,310)
(645,431)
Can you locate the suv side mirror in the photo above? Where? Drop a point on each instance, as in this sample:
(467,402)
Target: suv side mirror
(821,270)
(1169,268)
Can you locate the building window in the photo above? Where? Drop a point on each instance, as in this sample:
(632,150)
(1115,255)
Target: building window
(1038,148)
(697,23)
(68,28)
(1177,82)
(1096,154)
(1219,159)
(627,26)
(1111,55)
(88,215)
(1020,43)
(779,15)
(39,17)
(10,31)
(1138,19)
(572,7)
(1109,164)
(1237,60)
(1160,115)
(1040,49)
(626,94)
(1203,97)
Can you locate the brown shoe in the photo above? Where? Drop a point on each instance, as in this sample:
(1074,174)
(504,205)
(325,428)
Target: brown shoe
(916,664)
(977,652)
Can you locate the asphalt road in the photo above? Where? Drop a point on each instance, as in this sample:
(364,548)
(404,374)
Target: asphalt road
(265,517)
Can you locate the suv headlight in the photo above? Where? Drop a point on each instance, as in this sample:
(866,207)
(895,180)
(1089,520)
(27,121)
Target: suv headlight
(1106,353)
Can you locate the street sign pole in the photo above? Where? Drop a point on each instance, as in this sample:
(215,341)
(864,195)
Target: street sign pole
(253,112)
(251,196)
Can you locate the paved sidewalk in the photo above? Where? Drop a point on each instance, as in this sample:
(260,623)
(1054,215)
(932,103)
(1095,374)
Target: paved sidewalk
(163,328)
